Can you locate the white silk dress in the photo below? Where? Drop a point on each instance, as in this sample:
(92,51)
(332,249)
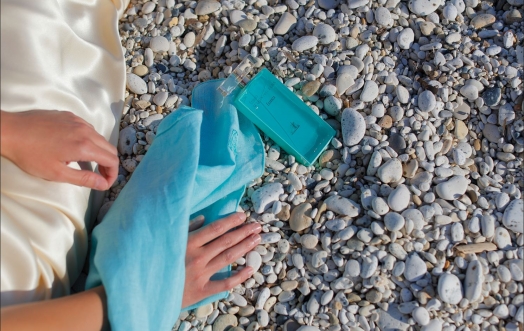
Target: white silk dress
(55,55)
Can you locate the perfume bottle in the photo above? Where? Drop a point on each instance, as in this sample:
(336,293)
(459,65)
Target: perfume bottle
(278,112)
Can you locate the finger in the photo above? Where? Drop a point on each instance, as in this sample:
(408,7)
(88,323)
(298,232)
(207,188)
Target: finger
(230,255)
(196,223)
(230,239)
(102,142)
(83,178)
(214,230)
(217,286)
(91,152)
(109,173)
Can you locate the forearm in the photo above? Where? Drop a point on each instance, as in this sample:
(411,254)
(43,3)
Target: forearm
(82,311)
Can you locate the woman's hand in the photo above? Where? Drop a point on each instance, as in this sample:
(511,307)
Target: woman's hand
(44,142)
(211,248)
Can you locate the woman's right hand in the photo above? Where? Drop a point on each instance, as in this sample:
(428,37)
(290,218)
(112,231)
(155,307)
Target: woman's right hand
(44,142)
(213,247)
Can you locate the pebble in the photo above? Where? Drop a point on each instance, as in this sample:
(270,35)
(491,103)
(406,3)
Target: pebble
(342,206)
(266,195)
(421,184)
(300,219)
(286,21)
(325,33)
(482,20)
(453,188)
(420,316)
(353,126)
(254,260)
(391,171)
(207,7)
(405,38)
(136,84)
(449,288)
(159,44)
(426,101)
(415,268)
(399,198)
(369,92)
(423,7)
(225,322)
(512,218)
(304,43)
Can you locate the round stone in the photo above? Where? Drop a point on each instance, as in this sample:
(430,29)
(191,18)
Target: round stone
(394,221)
(426,101)
(304,43)
(286,21)
(159,44)
(225,322)
(383,17)
(207,7)
(300,219)
(513,218)
(423,7)
(399,198)
(449,288)
(420,315)
(453,188)
(369,92)
(136,84)
(406,38)
(415,268)
(325,33)
(353,126)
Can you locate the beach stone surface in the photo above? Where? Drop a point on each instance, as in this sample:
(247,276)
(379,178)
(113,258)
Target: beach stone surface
(412,217)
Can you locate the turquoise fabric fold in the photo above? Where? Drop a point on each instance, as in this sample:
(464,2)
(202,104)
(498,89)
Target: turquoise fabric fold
(199,163)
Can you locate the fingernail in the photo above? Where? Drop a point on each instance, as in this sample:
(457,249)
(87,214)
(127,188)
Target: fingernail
(256,228)
(242,216)
(98,184)
(250,271)
(255,239)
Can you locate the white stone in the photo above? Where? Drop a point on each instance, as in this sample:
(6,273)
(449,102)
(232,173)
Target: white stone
(399,198)
(325,33)
(449,288)
(433,325)
(127,139)
(207,7)
(420,315)
(344,81)
(342,206)
(285,22)
(383,17)
(502,238)
(159,44)
(304,43)
(264,196)
(453,188)
(427,101)
(470,92)
(423,7)
(353,126)
(391,171)
(415,268)
(450,12)
(254,260)
(513,218)
(406,38)
(136,84)
(160,98)
(369,92)
(473,281)
(402,94)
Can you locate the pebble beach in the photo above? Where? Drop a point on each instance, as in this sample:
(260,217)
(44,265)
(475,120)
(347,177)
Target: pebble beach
(413,217)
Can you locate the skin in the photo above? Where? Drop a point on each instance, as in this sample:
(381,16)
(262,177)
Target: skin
(25,138)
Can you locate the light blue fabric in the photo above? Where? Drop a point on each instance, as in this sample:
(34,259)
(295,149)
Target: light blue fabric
(199,163)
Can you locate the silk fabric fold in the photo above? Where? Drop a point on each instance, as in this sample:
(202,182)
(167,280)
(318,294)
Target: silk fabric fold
(55,55)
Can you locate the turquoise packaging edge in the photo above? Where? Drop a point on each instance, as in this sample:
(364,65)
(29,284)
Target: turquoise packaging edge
(324,132)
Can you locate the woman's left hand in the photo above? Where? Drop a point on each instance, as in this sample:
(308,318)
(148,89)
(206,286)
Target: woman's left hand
(210,249)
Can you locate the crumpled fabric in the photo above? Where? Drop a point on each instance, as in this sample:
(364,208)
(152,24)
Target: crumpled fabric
(199,164)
